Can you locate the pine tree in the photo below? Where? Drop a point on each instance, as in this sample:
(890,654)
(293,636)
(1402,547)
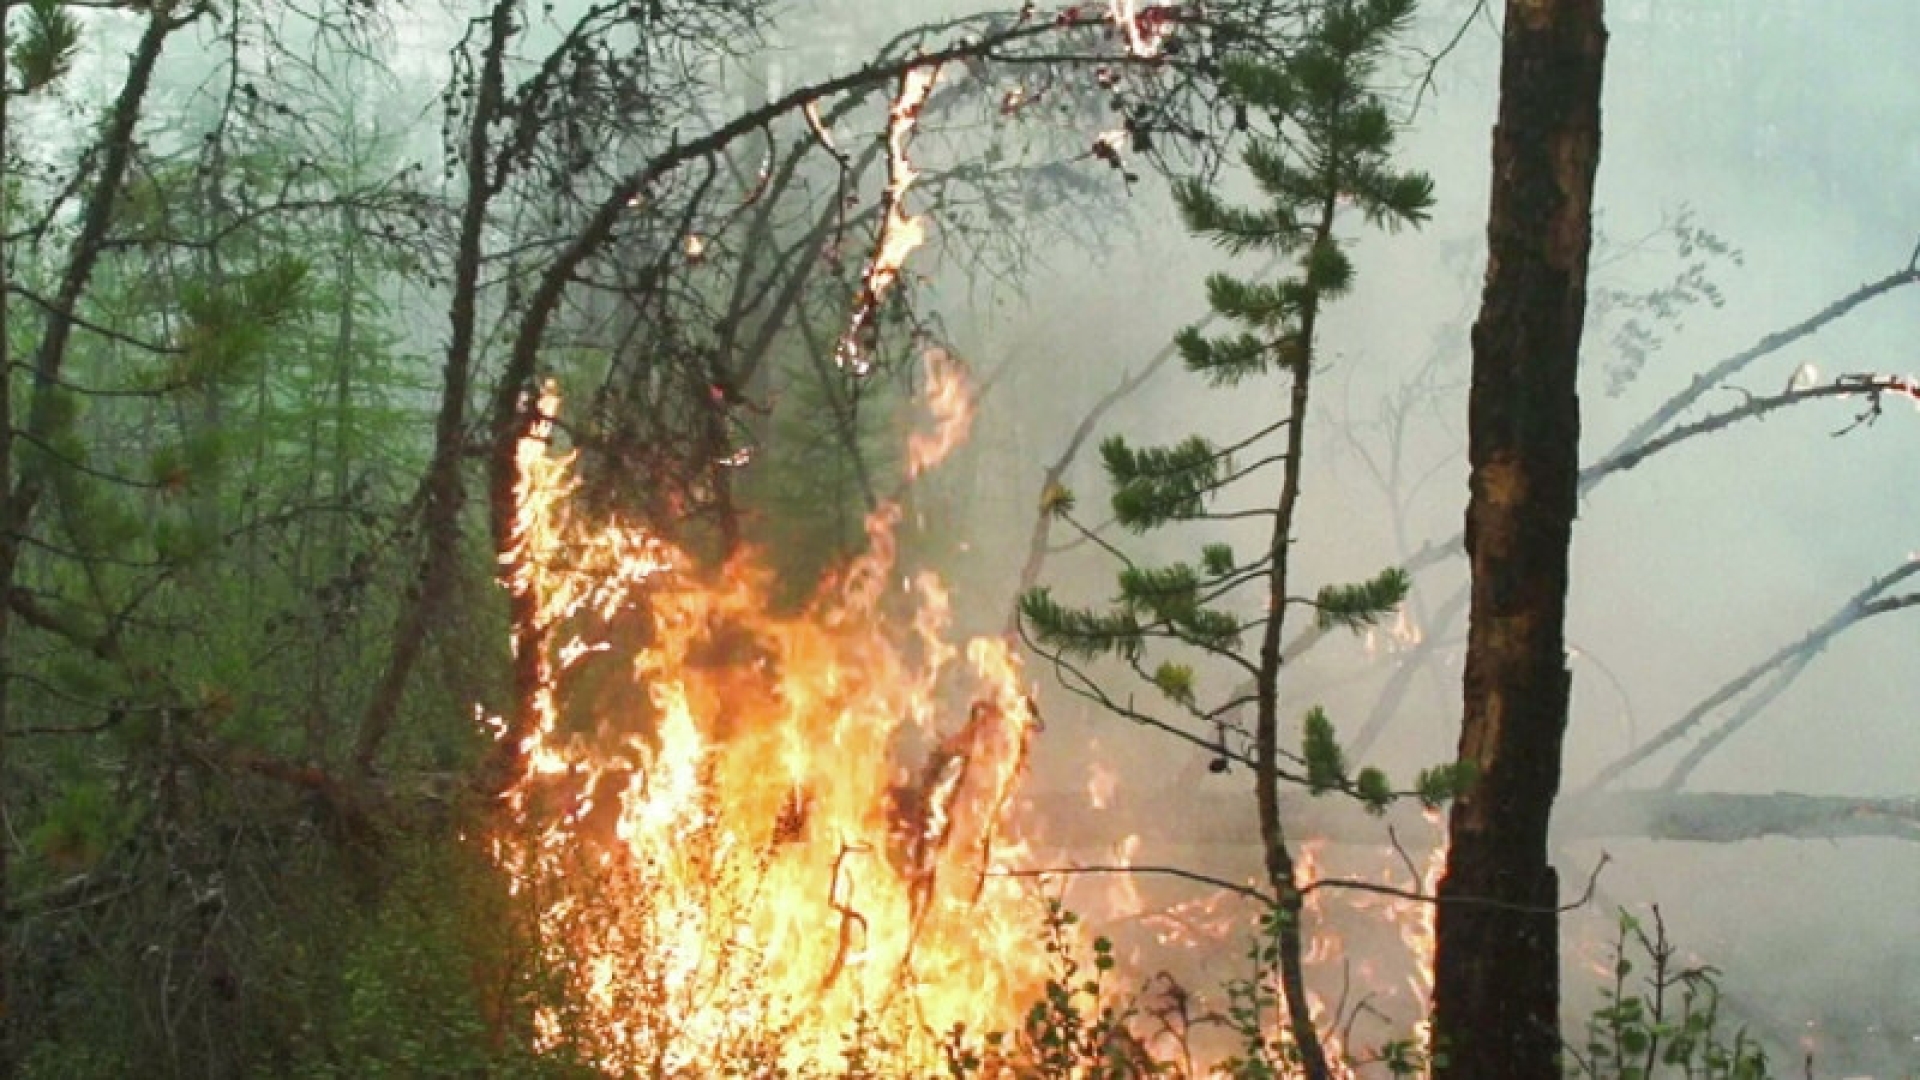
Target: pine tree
(1320,147)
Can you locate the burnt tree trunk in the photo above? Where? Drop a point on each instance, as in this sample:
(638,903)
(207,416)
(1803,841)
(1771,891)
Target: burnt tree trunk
(1497,980)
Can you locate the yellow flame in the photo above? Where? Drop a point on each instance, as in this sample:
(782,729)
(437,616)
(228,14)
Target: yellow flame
(746,833)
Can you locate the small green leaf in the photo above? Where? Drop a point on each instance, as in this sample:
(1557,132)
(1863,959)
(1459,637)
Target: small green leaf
(1217,560)
(1175,681)
(1326,762)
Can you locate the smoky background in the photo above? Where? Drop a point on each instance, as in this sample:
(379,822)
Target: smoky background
(1759,162)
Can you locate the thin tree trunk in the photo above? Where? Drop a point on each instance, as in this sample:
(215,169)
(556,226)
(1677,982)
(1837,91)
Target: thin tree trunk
(1497,980)
(20,495)
(1282,877)
(444,492)
(9,550)
(1275,854)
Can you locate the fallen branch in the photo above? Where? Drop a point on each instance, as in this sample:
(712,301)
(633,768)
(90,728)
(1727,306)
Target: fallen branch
(1219,819)
(1863,605)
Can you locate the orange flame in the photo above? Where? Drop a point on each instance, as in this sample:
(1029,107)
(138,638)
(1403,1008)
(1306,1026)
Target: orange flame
(745,836)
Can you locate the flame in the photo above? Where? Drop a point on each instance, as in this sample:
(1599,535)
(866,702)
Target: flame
(743,833)
(950,401)
(1418,923)
(1359,966)
(900,232)
(1146,29)
(1123,896)
(1103,782)
(1206,922)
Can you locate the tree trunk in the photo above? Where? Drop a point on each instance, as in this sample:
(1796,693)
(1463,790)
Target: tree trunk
(1497,986)
(444,490)
(9,555)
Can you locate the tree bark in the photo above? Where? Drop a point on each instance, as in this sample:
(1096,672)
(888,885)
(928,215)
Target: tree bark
(21,484)
(9,555)
(1497,987)
(443,489)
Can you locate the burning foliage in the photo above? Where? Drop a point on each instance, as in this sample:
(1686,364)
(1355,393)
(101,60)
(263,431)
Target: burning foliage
(770,831)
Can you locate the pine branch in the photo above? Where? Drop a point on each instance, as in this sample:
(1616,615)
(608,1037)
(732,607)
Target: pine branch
(1364,604)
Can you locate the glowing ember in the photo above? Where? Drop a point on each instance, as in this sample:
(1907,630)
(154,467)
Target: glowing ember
(900,233)
(747,836)
(1146,29)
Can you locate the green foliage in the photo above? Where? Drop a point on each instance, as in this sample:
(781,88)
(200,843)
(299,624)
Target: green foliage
(1373,790)
(229,322)
(86,819)
(1361,605)
(408,996)
(1326,762)
(1255,1019)
(1080,632)
(1327,770)
(1157,485)
(1169,598)
(1320,145)
(1440,784)
(1225,361)
(43,49)
(1668,1025)
(1077,1027)
(1175,681)
(1217,560)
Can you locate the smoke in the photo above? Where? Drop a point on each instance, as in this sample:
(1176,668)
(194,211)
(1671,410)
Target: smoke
(1759,153)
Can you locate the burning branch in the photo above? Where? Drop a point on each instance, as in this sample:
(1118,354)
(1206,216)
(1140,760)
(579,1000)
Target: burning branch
(950,400)
(899,232)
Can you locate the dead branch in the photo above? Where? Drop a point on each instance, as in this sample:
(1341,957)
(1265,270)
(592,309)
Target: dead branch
(1863,605)
(1218,819)
(1670,410)
(1872,386)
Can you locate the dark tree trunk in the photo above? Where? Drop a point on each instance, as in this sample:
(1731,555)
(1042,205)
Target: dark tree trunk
(443,490)
(1497,979)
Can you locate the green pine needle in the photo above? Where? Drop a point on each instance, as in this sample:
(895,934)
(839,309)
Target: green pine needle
(1362,605)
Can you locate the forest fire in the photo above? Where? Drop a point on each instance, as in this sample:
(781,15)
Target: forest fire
(748,836)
